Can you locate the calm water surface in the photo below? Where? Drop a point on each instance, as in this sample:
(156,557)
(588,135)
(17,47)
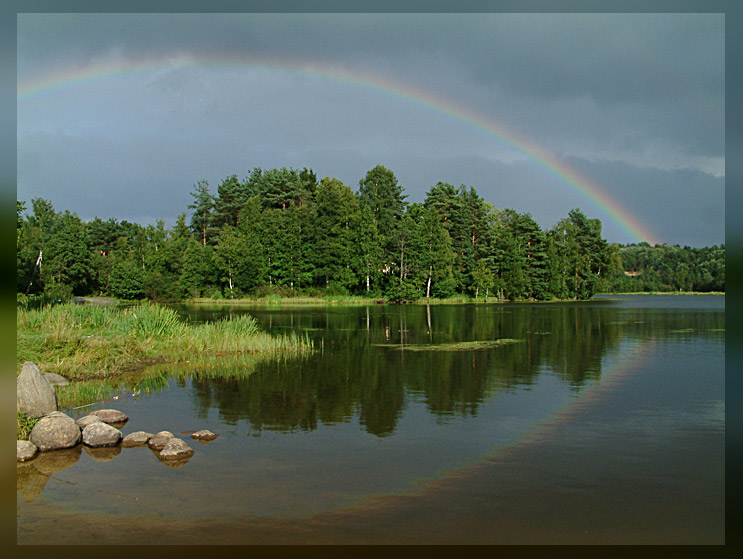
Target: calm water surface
(595,422)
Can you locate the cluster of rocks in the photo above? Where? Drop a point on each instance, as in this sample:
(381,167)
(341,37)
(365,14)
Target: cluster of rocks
(101,429)
(97,430)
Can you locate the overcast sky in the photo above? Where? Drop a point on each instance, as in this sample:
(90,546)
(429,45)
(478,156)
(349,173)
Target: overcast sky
(121,115)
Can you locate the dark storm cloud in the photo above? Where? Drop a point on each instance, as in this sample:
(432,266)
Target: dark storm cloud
(618,57)
(626,65)
(636,100)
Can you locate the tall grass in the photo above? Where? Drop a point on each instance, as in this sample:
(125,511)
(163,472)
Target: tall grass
(84,342)
(153,321)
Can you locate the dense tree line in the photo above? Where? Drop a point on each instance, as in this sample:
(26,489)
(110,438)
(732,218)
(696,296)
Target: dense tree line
(283,231)
(667,268)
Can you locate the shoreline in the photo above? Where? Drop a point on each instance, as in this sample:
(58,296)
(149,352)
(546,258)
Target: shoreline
(319,301)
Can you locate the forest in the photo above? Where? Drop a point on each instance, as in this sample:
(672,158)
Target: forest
(282,232)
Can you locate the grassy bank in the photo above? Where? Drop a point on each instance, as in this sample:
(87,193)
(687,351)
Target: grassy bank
(332,300)
(110,343)
(105,350)
(288,301)
(354,300)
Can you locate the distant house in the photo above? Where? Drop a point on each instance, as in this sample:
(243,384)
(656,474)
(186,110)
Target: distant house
(632,274)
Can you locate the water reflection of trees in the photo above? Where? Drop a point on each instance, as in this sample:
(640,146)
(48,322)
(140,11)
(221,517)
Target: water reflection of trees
(364,370)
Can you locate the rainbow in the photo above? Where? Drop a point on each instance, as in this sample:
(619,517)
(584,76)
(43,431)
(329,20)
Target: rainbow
(613,375)
(60,82)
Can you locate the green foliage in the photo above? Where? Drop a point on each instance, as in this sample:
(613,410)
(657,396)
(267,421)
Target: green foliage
(154,321)
(57,292)
(280,231)
(195,270)
(336,216)
(25,424)
(203,206)
(484,278)
(664,268)
(403,292)
(231,197)
(581,254)
(127,281)
(380,191)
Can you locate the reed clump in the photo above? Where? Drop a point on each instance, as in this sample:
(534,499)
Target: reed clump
(82,342)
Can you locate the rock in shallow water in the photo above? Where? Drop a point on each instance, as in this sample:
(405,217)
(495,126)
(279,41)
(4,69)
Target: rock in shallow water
(204,435)
(25,450)
(175,449)
(55,431)
(111,416)
(101,434)
(158,441)
(138,438)
(83,422)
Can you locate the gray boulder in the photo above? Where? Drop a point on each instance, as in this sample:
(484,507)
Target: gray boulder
(35,395)
(83,422)
(56,380)
(138,438)
(159,440)
(175,449)
(101,434)
(55,431)
(25,450)
(111,416)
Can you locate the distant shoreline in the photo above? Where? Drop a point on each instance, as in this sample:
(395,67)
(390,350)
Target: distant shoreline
(301,301)
(665,293)
(351,300)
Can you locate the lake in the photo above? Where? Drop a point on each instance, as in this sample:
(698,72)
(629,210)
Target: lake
(588,422)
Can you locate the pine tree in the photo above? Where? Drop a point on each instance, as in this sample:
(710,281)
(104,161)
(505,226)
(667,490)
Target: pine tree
(380,192)
(431,250)
(336,217)
(232,195)
(203,206)
(468,231)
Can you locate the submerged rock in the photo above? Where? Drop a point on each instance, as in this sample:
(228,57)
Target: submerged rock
(99,434)
(175,449)
(35,395)
(55,431)
(25,450)
(204,436)
(158,441)
(138,438)
(111,416)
